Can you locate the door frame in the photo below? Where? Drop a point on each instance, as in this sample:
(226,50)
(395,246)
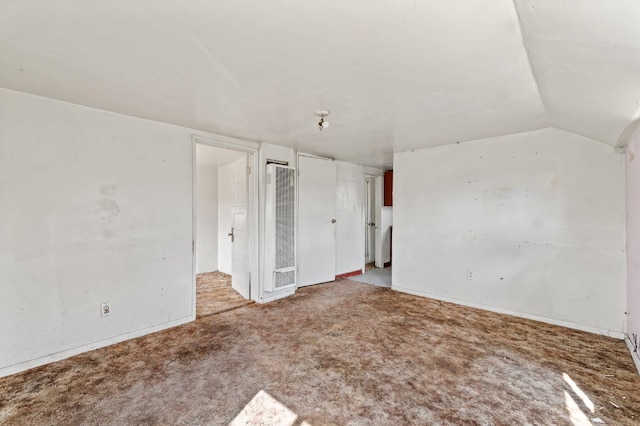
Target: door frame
(253,224)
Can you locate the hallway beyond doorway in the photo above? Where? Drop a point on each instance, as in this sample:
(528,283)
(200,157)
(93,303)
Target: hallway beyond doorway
(376,276)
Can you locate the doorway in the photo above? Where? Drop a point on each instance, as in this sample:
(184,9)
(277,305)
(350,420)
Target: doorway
(224,228)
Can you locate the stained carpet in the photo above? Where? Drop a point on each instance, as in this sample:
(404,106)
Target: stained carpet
(338,353)
(214,294)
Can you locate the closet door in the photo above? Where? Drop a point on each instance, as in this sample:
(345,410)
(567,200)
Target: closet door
(316,220)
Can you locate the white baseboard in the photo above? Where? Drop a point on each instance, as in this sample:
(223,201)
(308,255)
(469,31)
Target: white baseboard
(22,366)
(270,297)
(610,333)
(634,355)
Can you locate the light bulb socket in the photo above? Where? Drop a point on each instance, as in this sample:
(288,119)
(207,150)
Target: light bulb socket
(322,114)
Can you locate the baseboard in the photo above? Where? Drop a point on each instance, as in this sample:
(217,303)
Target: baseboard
(596,330)
(36,362)
(634,355)
(349,274)
(275,296)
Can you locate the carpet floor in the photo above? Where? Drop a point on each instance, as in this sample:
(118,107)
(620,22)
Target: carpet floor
(338,353)
(214,294)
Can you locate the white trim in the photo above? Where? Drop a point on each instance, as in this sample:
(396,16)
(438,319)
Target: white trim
(365,213)
(365,224)
(226,142)
(373,171)
(253,224)
(378,255)
(304,154)
(275,296)
(194,173)
(567,324)
(36,362)
(634,355)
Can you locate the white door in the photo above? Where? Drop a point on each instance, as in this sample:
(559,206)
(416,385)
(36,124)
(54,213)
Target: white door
(369,224)
(239,266)
(316,221)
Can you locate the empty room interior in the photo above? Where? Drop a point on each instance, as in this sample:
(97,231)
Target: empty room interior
(306,213)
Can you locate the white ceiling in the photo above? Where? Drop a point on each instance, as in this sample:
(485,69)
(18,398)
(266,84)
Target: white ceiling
(585,55)
(396,75)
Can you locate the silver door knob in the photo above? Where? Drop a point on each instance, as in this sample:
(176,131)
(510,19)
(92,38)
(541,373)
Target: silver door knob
(230,234)
(333,221)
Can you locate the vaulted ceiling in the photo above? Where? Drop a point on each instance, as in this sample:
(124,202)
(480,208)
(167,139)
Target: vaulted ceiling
(395,75)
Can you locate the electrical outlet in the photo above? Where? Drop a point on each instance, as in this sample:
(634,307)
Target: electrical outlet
(105,309)
(471,275)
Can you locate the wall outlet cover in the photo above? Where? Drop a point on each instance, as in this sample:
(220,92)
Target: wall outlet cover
(105,309)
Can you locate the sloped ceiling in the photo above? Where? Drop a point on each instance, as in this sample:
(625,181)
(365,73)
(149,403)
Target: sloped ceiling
(396,75)
(585,55)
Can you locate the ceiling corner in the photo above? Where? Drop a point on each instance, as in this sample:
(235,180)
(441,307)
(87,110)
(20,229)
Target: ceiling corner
(532,69)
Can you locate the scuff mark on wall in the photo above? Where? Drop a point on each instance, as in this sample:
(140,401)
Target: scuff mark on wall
(109,190)
(110,207)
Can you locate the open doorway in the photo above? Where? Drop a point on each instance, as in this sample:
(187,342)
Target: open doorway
(377,223)
(222,269)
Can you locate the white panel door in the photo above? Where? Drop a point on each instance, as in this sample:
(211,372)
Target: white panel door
(316,221)
(239,265)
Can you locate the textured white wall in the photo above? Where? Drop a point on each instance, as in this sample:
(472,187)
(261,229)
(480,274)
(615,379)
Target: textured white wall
(206,217)
(538,217)
(94,207)
(386,221)
(350,217)
(633,240)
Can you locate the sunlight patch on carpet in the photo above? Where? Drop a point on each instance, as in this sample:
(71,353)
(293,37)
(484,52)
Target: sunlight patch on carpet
(263,409)
(577,417)
(585,399)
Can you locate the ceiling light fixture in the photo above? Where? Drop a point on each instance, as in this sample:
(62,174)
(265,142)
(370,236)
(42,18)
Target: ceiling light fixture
(322,124)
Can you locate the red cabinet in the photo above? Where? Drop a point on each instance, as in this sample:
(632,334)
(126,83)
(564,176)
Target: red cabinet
(388,188)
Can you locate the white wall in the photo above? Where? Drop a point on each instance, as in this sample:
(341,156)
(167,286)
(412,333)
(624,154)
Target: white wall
(538,217)
(206,216)
(350,218)
(94,207)
(225,201)
(633,242)
(386,221)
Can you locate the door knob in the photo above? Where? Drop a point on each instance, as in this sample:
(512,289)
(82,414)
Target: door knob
(231,235)
(333,221)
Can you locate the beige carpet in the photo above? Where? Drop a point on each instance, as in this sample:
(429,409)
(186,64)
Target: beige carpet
(339,353)
(214,294)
